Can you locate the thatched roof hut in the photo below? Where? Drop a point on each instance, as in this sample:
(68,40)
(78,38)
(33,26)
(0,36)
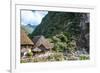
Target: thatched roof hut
(42,43)
(25,40)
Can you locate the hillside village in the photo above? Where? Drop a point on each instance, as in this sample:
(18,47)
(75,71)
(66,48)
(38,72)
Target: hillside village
(40,49)
(37,47)
(60,36)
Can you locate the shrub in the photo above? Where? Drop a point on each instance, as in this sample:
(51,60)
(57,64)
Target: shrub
(56,57)
(83,57)
(59,57)
(30,54)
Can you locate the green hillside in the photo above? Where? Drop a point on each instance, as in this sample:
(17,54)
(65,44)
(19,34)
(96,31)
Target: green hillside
(68,31)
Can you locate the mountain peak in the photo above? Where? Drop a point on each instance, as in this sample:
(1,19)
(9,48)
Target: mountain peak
(29,25)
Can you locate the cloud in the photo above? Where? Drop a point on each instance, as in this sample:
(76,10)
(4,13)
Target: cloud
(32,17)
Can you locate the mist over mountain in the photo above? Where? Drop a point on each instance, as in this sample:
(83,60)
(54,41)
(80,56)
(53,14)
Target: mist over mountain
(28,28)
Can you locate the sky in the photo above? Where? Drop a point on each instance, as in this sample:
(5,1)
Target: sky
(32,17)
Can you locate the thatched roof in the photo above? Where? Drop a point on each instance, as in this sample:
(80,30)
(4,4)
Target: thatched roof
(25,40)
(40,40)
(36,49)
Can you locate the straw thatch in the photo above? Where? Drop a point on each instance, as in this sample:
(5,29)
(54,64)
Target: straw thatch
(41,41)
(25,40)
(36,49)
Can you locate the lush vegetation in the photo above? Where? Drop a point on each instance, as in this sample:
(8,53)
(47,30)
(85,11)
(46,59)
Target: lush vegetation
(69,32)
